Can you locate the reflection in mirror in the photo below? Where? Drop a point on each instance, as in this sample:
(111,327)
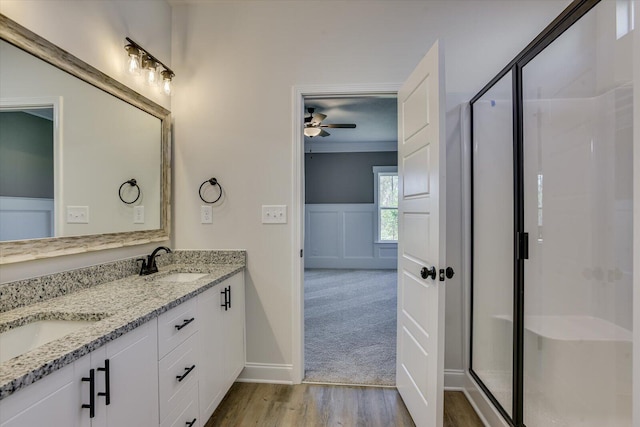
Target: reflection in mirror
(100,147)
(69,137)
(26,173)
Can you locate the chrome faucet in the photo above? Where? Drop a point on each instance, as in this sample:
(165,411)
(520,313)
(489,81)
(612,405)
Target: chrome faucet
(149,265)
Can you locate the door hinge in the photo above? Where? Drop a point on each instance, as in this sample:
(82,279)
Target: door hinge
(301,252)
(522,246)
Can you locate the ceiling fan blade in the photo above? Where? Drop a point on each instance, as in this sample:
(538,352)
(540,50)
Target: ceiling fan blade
(324,133)
(318,117)
(340,126)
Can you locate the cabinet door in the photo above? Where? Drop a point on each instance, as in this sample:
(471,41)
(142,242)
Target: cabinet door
(133,378)
(52,401)
(211,380)
(234,357)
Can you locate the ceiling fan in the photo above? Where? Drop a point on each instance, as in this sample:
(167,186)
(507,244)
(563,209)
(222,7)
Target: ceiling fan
(313,124)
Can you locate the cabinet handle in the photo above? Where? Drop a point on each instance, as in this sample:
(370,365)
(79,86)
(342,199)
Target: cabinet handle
(107,382)
(185,323)
(189,424)
(183,376)
(229,296)
(226,299)
(92,389)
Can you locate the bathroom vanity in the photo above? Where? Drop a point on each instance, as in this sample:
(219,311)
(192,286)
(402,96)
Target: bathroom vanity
(157,350)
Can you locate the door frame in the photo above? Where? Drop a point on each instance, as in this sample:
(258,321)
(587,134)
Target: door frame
(297,202)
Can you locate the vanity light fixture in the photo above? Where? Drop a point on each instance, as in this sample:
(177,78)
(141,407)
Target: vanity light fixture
(155,72)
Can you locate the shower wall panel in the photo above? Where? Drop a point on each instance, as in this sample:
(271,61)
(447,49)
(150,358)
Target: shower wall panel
(577,171)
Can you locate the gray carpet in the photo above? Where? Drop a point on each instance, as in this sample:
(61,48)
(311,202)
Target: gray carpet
(350,326)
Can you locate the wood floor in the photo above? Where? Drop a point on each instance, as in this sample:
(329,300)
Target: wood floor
(277,405)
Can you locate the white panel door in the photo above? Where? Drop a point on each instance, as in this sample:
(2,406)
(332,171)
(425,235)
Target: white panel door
(421,243)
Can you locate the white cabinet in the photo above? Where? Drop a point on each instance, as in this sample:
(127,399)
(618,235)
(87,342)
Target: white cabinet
(124,370)
(234,318)
(179,365)
(211,376)
(52,401)
(222,345)
(186,412)
(170,371)
(133,378)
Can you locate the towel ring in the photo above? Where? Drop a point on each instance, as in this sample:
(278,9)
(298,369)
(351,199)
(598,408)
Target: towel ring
(132,182)
(213,182)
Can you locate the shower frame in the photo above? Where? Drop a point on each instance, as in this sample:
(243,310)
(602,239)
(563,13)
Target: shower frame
(576,10)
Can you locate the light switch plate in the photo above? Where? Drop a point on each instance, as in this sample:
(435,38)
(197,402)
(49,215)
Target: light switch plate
(206,215)
(138,214)
(77,214)
(274,214)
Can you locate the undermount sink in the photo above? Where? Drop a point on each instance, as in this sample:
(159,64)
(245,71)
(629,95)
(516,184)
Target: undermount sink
(181,277)
(19,340)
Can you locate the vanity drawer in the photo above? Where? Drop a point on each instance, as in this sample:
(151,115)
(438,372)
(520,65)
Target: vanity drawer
(177,372)
(175,326)
(185,412)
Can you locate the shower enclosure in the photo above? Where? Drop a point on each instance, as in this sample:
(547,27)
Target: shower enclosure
(552,145)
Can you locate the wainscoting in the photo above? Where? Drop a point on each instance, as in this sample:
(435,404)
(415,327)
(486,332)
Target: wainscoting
(343,236)
(25,218)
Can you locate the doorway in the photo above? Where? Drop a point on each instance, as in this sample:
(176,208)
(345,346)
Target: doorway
(346,269)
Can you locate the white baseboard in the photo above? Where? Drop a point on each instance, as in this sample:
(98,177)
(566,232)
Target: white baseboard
(266,373)
(454,379)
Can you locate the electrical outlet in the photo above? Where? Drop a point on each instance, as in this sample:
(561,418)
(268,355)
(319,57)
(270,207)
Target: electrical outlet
(206,215)
(77,214)
(274,214)
(138,214)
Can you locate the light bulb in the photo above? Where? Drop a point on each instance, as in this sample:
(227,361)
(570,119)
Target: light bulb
(166,86)
(150,73)
(151,77)
(133,60)
(166,82)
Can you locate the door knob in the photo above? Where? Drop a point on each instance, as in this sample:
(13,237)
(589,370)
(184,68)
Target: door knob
(426,272)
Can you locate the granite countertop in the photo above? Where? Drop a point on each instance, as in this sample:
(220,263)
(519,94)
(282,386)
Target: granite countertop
(117,307)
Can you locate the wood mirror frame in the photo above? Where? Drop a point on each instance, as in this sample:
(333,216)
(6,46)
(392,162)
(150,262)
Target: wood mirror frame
(26,250)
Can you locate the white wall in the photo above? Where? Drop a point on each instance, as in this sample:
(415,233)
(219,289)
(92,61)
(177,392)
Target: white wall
(238,62)
(94,31)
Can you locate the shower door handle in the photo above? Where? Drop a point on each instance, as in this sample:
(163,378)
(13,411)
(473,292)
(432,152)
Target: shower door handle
(425,273)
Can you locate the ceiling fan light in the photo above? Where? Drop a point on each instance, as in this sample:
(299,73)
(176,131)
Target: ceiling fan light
(312,131)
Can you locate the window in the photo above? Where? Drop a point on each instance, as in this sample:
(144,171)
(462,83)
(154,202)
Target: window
(386,201)
(624,17)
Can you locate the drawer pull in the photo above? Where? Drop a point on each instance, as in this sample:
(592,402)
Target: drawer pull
(92,389)
(189,424)
(183,376)
(185,323)
(107,382)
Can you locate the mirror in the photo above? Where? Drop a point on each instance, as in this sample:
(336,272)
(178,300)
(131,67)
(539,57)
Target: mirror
(72,142)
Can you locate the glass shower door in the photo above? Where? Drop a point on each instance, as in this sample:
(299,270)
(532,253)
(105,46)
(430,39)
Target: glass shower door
(578,141)
(492,296)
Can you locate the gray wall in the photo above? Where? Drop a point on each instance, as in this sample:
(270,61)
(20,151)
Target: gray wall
(343,177)
(26,156)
